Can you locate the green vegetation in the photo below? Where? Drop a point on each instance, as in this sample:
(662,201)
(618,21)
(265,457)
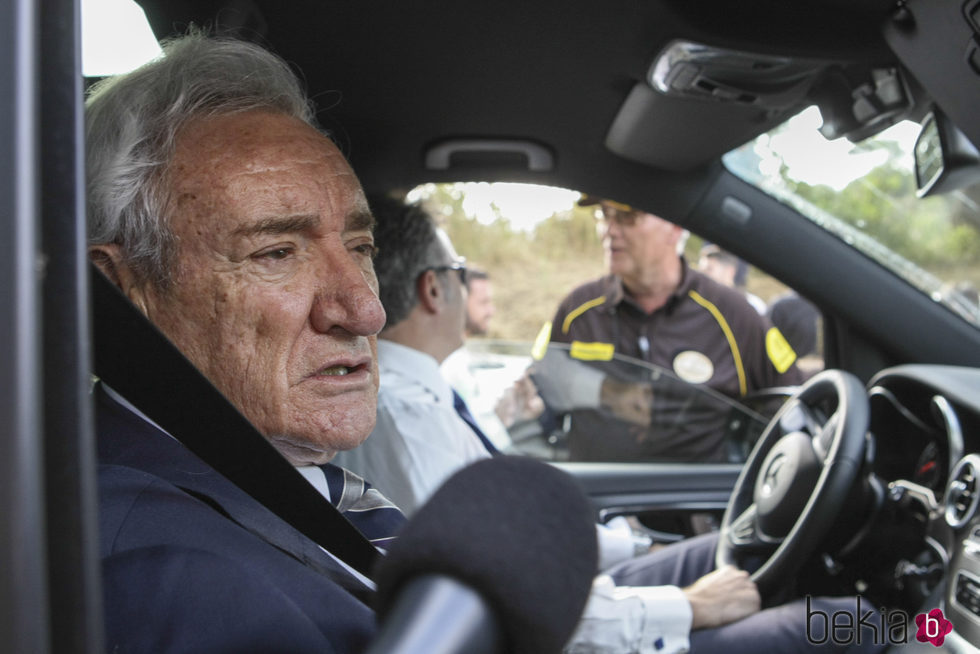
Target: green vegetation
(531,272)
(931,232)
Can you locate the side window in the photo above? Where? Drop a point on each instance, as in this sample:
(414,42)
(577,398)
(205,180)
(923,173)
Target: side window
(606,386)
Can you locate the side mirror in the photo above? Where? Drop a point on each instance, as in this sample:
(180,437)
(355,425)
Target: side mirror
(945,159)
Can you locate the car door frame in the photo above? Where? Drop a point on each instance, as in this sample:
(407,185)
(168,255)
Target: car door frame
(50,596)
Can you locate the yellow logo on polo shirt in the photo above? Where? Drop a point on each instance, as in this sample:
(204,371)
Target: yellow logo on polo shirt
(592,351)
(693,367)
(779,350)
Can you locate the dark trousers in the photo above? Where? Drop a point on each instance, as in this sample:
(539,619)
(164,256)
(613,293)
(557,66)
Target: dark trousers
(779,630)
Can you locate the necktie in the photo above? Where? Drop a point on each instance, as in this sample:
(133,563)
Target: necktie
(365,507)
(468,418)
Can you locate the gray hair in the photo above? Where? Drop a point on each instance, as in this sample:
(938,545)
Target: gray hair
(407,243)
(132,122)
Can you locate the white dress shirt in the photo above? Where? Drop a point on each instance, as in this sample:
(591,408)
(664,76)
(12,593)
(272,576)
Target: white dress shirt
(459,371)
(419,439)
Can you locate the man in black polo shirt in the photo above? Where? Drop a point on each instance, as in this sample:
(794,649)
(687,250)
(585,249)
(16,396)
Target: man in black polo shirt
(652,306)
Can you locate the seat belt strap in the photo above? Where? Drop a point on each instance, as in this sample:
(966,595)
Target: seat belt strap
(133,357)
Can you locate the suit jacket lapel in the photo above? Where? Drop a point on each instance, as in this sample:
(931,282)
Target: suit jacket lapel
(127,439)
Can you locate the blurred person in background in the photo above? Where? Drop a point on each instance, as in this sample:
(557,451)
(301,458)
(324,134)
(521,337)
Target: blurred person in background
(727,269)
(479,302)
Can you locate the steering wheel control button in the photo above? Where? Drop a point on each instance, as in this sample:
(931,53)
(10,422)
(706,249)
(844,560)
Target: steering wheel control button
(968,593)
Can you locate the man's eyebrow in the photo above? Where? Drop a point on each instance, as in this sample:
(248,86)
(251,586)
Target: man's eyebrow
(359,221)
(287,225)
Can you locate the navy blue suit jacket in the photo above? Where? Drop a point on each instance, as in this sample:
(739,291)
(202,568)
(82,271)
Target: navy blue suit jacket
(193,564)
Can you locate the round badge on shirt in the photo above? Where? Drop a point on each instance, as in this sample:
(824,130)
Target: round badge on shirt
(693,367)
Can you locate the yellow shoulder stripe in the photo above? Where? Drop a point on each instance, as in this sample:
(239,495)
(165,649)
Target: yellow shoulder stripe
(579,310)
(733,346)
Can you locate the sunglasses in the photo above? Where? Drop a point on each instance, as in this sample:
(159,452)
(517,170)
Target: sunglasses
(458,266)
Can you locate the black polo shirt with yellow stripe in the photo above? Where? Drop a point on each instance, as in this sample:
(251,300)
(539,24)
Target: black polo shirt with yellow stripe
(706,334)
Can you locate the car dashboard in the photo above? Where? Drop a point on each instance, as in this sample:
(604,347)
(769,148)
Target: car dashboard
(925,435)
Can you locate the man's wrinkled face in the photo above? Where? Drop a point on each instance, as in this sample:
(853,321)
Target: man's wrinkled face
(275,297)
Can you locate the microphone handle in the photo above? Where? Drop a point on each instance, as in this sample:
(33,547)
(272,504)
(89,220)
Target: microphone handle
(436,614)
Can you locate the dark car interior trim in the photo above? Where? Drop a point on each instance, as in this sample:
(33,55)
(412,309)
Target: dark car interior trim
(23,586)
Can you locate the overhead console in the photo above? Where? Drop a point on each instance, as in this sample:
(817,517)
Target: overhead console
(693,70)
(734,95)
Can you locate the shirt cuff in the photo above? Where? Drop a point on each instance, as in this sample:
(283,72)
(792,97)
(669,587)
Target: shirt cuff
(633,620)
(616,542)
(668,618)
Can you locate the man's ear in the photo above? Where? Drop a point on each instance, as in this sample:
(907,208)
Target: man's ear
(108,258)
(429,291)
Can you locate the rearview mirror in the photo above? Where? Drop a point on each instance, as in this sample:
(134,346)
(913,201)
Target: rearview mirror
(945,159)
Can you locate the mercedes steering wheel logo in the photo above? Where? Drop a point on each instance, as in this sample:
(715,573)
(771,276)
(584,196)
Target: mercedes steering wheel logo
(771,479)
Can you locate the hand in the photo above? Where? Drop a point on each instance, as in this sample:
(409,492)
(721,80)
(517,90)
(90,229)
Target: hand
(722,596)
(519,402)
(627,401)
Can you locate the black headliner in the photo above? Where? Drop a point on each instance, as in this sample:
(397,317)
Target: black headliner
(393,78)
(552,71)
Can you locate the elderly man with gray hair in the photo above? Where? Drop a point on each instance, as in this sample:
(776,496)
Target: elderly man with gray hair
(221,211)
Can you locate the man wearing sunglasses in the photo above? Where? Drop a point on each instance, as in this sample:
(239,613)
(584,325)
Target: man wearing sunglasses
(417,441)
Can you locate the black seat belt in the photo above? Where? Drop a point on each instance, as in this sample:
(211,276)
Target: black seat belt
(135,359)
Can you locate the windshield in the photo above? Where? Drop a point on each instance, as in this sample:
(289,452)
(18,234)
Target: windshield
(865,194)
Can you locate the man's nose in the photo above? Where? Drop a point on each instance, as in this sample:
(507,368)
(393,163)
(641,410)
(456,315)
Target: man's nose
(346,297)
(614,227)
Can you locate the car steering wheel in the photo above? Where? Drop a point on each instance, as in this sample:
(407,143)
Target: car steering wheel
(794,484)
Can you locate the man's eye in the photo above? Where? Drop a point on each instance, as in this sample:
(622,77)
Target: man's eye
(367,249)
(275,253)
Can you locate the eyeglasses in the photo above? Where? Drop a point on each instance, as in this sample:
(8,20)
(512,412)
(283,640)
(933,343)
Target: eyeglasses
(614,212)
(458,266)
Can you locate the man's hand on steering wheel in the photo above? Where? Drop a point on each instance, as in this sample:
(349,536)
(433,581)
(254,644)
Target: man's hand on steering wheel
(794,485)
(722,596)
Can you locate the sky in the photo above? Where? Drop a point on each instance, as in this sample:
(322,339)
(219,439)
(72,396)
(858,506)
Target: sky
(813,159)
(524,205)
(115,37)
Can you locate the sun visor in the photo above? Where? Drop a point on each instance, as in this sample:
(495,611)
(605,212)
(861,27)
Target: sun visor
(680,134)
(721,97)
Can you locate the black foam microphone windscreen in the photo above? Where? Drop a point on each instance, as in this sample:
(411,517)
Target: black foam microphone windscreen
(519,532)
